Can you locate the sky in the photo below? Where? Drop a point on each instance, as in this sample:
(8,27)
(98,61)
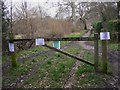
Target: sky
(48,7)
(35,0)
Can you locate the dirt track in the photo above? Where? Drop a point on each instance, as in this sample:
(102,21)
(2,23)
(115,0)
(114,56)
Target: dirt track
(71,77)
(113,60)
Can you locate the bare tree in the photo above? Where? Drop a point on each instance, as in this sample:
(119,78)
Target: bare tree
(5,23)
(26,19)
(78,11)
(83,11)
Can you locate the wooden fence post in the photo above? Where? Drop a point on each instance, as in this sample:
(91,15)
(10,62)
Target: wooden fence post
(12,54)
(96,52)
(104,56)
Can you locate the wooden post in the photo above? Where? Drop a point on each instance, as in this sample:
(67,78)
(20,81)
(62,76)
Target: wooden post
(96,52)
(104,56)
(104,39)
(12,54)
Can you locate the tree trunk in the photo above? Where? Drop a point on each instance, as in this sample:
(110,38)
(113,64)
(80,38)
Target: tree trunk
(118,6)
(4,45)
(73,15)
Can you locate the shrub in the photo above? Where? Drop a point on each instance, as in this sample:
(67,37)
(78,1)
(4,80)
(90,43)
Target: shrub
(114,25)
(98,26)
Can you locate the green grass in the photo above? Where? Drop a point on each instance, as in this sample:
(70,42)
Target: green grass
(63,43)
(84,69)
(13,73)
(109,66)
(74,50)
(88,56)
(53,72)
(114,47)
(86,76)
(75,35)
(5,59)
(30,51)
(111,46)
(89,80)
(32,79)
(24,53)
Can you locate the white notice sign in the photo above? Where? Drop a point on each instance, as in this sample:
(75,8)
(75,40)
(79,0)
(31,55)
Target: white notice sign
(104,35)
(39,41)
(11,47)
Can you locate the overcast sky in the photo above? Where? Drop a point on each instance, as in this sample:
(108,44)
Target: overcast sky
(48,7)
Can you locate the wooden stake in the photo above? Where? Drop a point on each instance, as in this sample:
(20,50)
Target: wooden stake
(96,52)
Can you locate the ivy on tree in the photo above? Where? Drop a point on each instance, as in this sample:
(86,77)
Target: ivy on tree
(5,18)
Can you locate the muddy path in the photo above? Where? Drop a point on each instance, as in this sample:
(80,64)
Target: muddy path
(112,57)
(70,80)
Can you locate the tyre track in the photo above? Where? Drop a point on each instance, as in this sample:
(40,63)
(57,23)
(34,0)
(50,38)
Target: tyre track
(21,60)
(20,80)
(70,80)
(6,66)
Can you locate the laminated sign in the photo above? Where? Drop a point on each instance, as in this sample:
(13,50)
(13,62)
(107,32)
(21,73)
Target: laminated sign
(39,41)
(104,35)
(11,47)
(56,44)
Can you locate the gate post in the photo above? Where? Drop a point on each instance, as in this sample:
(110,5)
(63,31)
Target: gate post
(96,52)
(104,56)
(104,36)
(12,54)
